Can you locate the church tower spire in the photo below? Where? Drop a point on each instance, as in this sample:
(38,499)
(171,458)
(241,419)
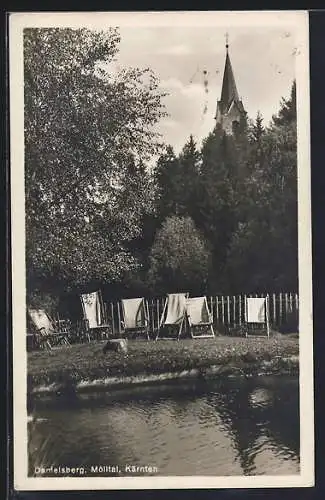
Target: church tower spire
(230,109)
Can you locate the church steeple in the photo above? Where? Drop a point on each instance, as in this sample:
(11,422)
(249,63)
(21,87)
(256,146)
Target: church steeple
(230,108)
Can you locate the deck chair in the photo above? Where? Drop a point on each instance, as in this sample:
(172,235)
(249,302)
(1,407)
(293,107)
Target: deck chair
(257,317)
(93,311)
(135,316)
(46,333)
(173,316)
(199,318)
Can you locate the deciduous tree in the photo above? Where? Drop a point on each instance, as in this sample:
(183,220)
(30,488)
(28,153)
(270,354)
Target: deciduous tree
(86,124)
(179,259)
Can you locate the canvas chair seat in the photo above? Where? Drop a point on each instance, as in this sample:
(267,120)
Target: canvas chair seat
(199,317)
(173,315)
(135,316)
(257,316)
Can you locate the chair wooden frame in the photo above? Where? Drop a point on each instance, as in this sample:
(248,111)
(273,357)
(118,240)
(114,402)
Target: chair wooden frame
(205,325)
(138,329)
(178,326)
(42,336)
(102,328)
(265,323)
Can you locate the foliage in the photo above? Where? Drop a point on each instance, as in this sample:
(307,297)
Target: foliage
(263,251)
(241,192)
(86,127)
(39,300)
(257,129)
(176,179)
(220,219)
(217,196)
(179,258)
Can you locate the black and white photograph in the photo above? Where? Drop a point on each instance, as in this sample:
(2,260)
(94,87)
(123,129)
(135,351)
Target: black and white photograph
(161,250)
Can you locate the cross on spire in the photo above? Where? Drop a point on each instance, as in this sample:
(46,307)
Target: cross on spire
(227,40)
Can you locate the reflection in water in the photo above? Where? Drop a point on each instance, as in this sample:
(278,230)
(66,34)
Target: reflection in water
(232,427)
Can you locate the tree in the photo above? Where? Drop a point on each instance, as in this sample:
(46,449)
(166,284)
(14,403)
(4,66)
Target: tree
(257,129)
(189,167)
(217,196)
(288,108)
(179,259)
(85,126)
(176,178)
(263,254)
(167,177)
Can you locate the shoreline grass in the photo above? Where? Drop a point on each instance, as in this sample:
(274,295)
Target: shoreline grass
(68,367)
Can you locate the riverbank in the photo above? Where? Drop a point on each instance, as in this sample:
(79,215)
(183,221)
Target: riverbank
(80,368)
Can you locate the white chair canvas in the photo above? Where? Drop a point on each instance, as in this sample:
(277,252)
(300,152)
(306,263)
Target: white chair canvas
(173,316)
(135,316)
(199,317)
(257,316)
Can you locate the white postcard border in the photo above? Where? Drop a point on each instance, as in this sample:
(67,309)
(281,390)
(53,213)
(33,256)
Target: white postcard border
(101,20)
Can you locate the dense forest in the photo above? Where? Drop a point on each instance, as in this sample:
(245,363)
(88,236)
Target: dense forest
(216,218)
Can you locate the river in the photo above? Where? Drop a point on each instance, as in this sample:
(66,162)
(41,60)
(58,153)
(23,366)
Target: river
(231,427)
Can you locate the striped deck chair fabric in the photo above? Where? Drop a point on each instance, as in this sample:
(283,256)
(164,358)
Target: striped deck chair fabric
(199,317)
(135,316)
(46,333)
(173,316)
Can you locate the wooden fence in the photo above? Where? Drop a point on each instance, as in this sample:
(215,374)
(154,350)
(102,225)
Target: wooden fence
(227,311)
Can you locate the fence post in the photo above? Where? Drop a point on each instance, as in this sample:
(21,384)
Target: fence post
(158,314)
(211,308)
(239,308)
(290,302)
(228,309)
(113,322)
(234,310)
(217,309)
(119,317)
(267,315)
(274,308)
(222,309)
(286,305)
(280,308)
(245,307)
(151,312)
(297,308)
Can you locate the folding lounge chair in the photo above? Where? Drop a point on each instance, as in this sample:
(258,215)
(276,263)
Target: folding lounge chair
(135,317)
(199,318)
(93,310)
(173,316)
(46,333)
(257,317)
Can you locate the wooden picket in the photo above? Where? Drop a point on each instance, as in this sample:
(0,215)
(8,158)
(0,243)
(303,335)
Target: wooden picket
(227,311)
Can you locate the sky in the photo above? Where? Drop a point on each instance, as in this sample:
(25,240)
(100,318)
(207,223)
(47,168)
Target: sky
(263,61)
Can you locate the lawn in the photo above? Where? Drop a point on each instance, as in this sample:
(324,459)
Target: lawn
(76,363)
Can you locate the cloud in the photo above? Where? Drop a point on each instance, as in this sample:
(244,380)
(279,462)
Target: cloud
(176,50)
(170,124)
(176,86)
(261,58)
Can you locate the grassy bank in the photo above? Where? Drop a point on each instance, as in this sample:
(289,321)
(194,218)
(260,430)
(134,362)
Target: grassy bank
(69,367)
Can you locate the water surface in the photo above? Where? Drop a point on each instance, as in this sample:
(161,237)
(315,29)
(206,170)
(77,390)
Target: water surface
(230,427)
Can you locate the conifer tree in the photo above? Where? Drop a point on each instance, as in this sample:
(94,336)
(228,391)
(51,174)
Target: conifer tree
(263,251)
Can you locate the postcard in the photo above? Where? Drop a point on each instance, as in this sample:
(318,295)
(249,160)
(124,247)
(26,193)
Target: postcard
(161,250)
